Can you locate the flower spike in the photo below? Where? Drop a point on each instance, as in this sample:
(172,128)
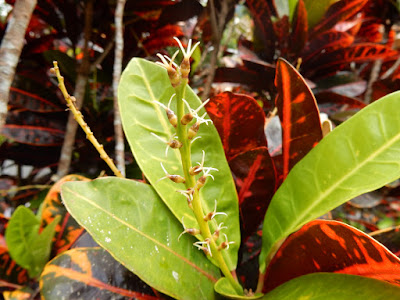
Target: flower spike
(204,245)
(173,73)
(218,230)
(191,231)
(172,143)
(185,65)
(174,178)
(212,214)
(225,244)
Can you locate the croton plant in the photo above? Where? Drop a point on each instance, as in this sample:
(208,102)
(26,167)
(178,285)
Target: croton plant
(184,231)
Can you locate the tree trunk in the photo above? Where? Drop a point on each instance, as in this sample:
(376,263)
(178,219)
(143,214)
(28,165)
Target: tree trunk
(10,50)
(119,49)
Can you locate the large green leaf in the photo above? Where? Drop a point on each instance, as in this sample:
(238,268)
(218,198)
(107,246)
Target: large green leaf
(128,219)
(27,247)
(141,84)
(334,286)
(360,155)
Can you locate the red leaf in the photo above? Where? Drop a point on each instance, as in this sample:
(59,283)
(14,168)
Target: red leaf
(330,97)
(239,121)
(331,62)
(10,272)
(299,34)
(389,237)
(299,115)
(254,175)
(34,135)
(162,38)
(91,273)
(262,19)
(281,28)
(327,42)
(68,229)
(339,11)
(32,102)
(331,246)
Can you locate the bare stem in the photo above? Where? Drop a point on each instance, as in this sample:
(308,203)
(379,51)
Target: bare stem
(79,118)
(119,47)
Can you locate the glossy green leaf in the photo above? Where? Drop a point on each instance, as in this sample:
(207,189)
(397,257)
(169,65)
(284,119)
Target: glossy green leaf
(360,155)
(128,219)
(332,286)
(142,83)
(224,288)
(316,10)
(27,247)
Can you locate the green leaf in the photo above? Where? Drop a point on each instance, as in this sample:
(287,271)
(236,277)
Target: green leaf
(316,10)
(334,286)
(128,219)
(360,155)
(29,249)
(142,82)
(224,288)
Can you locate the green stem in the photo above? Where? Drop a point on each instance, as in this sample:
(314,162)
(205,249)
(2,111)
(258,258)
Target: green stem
(191,182)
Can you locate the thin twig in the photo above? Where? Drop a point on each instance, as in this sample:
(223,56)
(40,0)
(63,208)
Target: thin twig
(80,87)
(79,119)
(391,70)
(218,22)
(119,51)
(376,68)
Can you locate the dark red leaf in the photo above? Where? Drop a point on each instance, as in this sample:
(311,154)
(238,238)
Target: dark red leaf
(263,25)
(390,237)
(258,76)
(254,175)
(10,272)
(298,113)
(330,97)
(68,230)
(331,246)
(339,11)
(181,11)
(32,102)
(299,34)
(371,31)
(34,135)
(281,28)
(327,42)
(239,121)
(162,38)
(331,62)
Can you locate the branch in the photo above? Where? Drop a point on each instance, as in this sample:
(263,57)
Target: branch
(119,51)
(80,87)
(11,48)
(79,119)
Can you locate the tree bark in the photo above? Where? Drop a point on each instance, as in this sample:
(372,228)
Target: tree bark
(10,50)
(119,49)
(79,93)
